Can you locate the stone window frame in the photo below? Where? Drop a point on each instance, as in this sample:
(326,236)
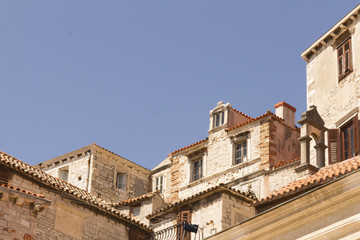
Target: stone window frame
(219,116)
(237,139)
(199,156)
(118,183)
(62,171)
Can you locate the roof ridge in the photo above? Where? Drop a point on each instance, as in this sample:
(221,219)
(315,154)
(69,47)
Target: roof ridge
(189,146)
(194,196)
(22,190)
(65,187)
(241,112)
(325,174)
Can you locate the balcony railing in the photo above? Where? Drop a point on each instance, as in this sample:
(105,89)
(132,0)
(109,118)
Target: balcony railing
(176,232)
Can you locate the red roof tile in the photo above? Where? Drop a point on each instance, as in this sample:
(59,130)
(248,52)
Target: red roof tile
(268,113)
(324,175)
(241,113)
(192,145)
(131,201)
(22,190)
(287,162)
(221,187)
(66,187)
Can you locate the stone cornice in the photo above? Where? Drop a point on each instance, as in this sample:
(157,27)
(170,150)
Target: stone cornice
(334,32)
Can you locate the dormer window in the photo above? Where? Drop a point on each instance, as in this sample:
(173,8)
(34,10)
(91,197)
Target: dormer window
(219,116)
(219,119)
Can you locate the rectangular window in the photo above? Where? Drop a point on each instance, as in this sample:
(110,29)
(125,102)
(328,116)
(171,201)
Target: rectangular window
(159,183)
(64,174)
(241,152)
(197,170)
(343,143)
(121,180)
(219,119)
(344,59)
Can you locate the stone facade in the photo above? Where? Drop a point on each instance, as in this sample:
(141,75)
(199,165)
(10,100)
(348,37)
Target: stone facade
(269,142)
(44,211)
(95,170)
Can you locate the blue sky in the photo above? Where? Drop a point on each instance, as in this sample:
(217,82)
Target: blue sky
(140,77)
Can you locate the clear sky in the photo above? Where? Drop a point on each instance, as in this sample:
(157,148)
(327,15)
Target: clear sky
(140,77)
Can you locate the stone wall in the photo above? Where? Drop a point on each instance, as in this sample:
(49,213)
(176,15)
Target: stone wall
(333,98)
(103,180)
(62,219)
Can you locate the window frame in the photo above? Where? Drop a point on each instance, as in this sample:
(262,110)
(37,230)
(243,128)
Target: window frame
(344,59)
(120,177)
(198,172)
(159,183)
(219,118)
(244,157)
(336,141)
(63,170)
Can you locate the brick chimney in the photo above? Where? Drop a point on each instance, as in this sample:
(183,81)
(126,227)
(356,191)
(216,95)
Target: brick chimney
(286,112)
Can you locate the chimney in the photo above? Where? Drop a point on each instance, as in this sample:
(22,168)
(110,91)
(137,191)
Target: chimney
(286,112)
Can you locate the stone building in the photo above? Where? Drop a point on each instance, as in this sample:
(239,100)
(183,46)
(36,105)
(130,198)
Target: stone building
(36,205)
(241,160)
(251,178)
(322,203)
(100,172)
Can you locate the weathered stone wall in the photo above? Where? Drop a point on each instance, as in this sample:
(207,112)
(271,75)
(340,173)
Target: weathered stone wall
(280,177)
(103,180)
(333,98)
(63,219)
(234,211)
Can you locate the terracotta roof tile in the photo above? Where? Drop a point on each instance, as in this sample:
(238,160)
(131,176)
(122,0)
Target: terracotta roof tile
(221,187)
(66,187)
(22,190)
(131,201)
(189,146)
(287,162)
(268,113)
(324,175)
(241,113)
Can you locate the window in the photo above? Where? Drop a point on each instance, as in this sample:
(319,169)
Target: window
(218,119)
(197,170)
(159,183)
(240,152)
(183,217)
(121,180)
(343,143)
(344,57)
(64,174)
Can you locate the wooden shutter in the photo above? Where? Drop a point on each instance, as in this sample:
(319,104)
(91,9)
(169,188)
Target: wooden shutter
(333,145)
(356,134)
(183,216)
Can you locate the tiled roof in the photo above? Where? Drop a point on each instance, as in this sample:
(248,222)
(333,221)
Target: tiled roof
(221,187)
(192,145)
(324,175)
(241,113)
(268,113)
(287,162)
(131,201)
(66,187)
(22,190)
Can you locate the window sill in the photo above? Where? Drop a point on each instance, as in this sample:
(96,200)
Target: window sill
(345,75)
